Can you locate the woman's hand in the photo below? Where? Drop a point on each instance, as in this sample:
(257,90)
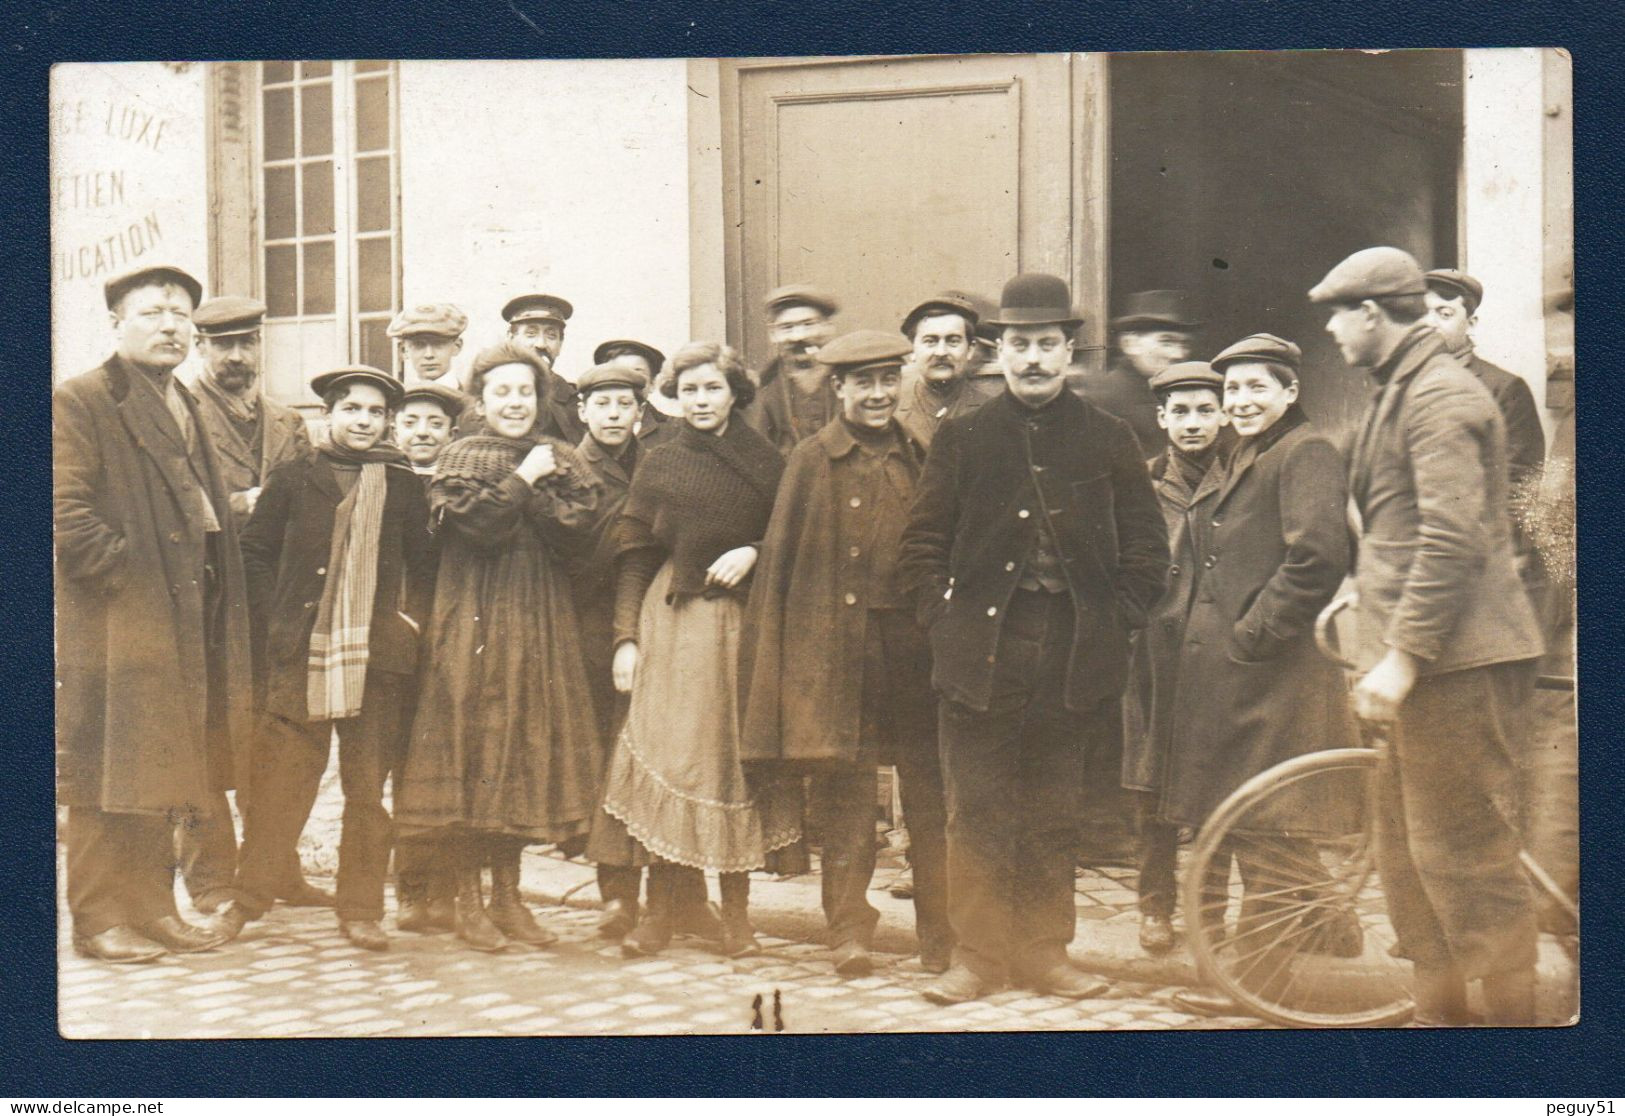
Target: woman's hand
(625,670)
(538,463)
(732,568)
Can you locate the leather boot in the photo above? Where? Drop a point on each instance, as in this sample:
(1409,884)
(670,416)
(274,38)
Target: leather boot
(738,939)
(1441,998)
(411,909)
(1509,998)
(506,909)
(442,901)
(653,933)
(473,925)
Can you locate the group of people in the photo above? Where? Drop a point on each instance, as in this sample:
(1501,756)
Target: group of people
(660,615)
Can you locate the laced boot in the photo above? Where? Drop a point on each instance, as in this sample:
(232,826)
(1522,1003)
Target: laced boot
(738,939)
(506,910)
(474,926)
(653,932)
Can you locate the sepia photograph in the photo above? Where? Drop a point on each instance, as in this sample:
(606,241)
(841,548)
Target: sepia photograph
(814,545)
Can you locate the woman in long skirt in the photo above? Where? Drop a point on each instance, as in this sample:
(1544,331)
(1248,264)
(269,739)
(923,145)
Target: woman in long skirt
(502,747)
(686,543)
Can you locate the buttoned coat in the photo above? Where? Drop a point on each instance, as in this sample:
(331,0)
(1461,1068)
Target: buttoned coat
(282,438)
(286,546)
(806,624)
(1428,478)
(1269,548)
(134,730)
(920,414)
(990,478)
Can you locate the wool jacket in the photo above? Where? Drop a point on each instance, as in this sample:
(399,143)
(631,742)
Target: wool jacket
(282,437)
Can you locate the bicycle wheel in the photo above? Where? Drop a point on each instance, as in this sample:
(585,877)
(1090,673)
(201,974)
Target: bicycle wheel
(1302,938)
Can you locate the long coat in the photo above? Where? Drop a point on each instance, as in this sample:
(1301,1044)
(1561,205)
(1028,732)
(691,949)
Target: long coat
(988,479)
(134,731)
(1252,691)
(243,466)
(1428,477)
(806,625)
(286,546)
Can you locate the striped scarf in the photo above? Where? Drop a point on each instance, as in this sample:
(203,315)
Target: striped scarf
(337,672)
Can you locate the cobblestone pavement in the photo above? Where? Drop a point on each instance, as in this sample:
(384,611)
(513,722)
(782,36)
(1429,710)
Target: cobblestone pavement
(292,975)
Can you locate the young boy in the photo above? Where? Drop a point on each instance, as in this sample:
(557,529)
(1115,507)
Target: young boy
(1190,414)
(425,422)
(338,561)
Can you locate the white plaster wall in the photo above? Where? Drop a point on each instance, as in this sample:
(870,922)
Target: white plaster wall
(128,187)
(565,177)
(1502,208)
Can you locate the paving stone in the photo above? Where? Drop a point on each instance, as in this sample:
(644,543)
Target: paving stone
(353,1016)
(652,1011)
(423,1000)
(273,978)
(588,1010)
(485,999)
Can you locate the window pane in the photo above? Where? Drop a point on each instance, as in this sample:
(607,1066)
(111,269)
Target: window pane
(372,194)
(272,72)
(371,66)
(316,119)
(319,277)
(372,115)
(318,198)
(278,124)
(315,69)
(376,278)
(375,344)
(281,284)
(279,203)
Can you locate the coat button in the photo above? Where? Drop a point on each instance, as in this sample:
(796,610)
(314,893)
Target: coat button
(1024,513)
(321,571)
(310,604)
(174,536)
(992,611)
(854,552)
(1210,561)
(1008,566)
(851,598)
(855,502)
(1173,571)
(1218,523)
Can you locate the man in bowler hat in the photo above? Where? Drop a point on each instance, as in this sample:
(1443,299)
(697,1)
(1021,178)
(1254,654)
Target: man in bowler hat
(1033,550)
(1154,331)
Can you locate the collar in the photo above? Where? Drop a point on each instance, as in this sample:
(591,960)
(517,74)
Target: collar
(838,440)
(594,450)
(243,408)
(1419,331)
(1050,412)
(157,378)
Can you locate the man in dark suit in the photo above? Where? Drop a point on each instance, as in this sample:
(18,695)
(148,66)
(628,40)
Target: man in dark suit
(251,434)
(153,688)
(1035,546)
(1446,643)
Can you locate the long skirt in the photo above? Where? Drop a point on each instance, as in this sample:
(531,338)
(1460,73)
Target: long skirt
(675,781)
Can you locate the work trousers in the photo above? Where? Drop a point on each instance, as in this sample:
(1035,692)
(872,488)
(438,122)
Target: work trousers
(290,758)
(1014,780)
(1447,839)
(121,869)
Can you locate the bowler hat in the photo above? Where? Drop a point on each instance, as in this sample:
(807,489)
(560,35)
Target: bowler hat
(432,319)
(228,316)
(1145,309)
(450,399)
(864,348)
(608,375)
(949,302)
(389,385)
(1371,273)
(801,294)
(1036,299)
(120,285)
(1447,282)
(1265,347)
(623,346)
(537,308)
(1187,374)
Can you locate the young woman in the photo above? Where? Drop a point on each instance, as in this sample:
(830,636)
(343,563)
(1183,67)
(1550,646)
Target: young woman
(502,748)
(687,543)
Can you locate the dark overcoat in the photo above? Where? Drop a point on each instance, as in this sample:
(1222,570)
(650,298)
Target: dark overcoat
(1252,690)
(806,624)
(243,466)
(134,731)
(592,575)
(1119,390)
(990,478)
(286,547)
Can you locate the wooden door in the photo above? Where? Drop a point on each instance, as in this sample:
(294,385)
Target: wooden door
(888,179)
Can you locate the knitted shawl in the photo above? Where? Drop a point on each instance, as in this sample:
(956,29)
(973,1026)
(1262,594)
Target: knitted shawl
(485,461)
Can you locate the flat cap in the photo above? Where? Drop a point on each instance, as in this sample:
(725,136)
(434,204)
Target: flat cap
(450,399)
(228,316)
(1265,347)
(1371,273)
(537,308)
(120,285)
(801,294)
(1034,298)
(623,346)
(864,348)
(949,302)
(434,319)
(1447,282)
(1153,308)
(1187,374)
(611,376)
(389,385)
